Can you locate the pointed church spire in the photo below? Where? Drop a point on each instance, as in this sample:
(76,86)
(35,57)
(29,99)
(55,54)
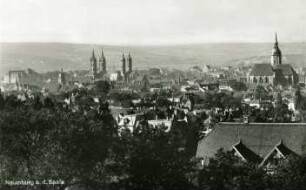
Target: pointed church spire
(102,62)
(129,59)
(93,57)
(276,56)
(93,65)
(123,64)
(276,37)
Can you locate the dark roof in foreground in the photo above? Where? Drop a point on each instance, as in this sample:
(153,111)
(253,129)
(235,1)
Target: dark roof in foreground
(260,138)
(246,153)
(262,69)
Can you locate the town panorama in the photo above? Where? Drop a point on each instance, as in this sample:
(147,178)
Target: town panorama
(151,117)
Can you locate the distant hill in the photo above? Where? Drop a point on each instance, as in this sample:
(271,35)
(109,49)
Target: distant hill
(54,56)
(296,60)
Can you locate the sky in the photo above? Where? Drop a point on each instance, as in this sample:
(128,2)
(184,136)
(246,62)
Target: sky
(145,22)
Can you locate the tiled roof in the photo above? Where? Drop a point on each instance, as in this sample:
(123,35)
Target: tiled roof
(53,87)
(262,70)
(281,149)
(246,153)
(68,88)
(56,87)
(260,138)
(285,69)
(35,80)
(83,79)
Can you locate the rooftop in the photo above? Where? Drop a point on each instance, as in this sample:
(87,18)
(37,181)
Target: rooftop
(262,69)
(286,69)
(260,138)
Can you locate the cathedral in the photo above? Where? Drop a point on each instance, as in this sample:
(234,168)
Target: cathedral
(126,74)
(98,69)
(276,73)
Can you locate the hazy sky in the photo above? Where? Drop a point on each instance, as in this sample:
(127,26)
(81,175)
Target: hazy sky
(152,21)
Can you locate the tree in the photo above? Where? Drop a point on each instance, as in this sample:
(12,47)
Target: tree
(239,86)
(1,99)
(87,146)
(123,98)
(51,142)
(227,171)
(28,144)
(162,102)
(153,161)
(281,114)
(290,173)
(103,87)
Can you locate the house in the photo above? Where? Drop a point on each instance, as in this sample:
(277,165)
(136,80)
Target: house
(18,80)
(128,121)
(255,142)
(56,88)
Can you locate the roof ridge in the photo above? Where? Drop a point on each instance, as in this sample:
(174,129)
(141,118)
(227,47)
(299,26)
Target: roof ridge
(256,123)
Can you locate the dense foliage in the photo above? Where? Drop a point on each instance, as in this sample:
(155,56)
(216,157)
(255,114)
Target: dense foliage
(80,144)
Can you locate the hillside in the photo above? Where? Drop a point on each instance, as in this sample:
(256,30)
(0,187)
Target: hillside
(296,60)
(54,56)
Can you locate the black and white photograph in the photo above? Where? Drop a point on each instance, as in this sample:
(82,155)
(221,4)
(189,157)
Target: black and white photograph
(152,94)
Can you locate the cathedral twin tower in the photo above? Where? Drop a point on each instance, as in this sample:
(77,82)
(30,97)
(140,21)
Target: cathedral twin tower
(123,61)
(94,67)
(99,69)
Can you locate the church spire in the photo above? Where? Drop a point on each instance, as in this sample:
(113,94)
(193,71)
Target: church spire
(93,65)
(123,64)
(93,57)
(129,59)
(276,56)
(103,62)
(93,54)
(276,38)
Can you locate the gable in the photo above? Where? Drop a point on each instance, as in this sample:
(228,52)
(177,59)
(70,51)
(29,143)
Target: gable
(245,153)
(261,138)
(278,152)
